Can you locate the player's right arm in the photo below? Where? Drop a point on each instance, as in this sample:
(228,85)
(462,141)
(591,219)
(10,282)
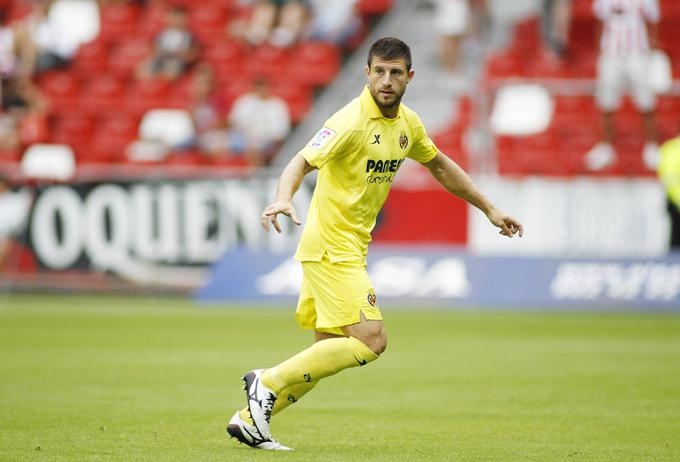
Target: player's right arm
(289,183)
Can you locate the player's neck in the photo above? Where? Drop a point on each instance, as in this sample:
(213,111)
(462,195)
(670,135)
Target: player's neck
(389,112)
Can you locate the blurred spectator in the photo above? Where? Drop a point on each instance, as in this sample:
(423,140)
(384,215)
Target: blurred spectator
(44,43)
(258,123)
(627,32)
(23,116)
(207,109)
(280,22)
(333,20)
(14,208)
(451,21)
(669,174)
(175,48)
(555,21)
(9,53)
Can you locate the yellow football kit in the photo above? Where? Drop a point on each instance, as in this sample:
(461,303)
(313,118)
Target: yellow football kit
(357,153)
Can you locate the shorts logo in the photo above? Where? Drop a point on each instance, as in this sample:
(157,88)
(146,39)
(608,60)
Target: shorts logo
(371,299)
(322,137)
(403,140)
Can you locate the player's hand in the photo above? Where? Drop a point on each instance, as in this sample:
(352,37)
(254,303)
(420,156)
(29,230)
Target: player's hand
(271,211)
(508,225)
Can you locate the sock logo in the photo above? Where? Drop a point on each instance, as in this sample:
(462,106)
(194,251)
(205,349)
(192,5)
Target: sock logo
(372,299)
(308,377)
(360,361)
(292,398)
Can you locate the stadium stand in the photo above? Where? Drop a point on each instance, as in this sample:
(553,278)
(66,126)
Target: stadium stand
(97,101)
(574,128)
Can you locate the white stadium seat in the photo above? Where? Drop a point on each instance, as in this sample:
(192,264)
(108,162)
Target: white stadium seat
(521,110)
(169,126)
(49,161)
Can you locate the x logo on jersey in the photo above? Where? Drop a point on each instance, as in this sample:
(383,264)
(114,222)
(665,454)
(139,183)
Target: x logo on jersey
(376,140)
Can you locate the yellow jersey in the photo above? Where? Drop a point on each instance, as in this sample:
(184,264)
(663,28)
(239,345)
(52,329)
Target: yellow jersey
(669,169)
(357,153)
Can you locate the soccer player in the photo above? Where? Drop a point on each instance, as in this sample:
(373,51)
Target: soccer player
(357,154)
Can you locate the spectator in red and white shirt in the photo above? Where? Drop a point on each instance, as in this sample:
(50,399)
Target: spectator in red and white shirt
(627,34)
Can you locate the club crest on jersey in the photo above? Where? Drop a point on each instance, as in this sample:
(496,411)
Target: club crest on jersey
(403,140)
(372,299)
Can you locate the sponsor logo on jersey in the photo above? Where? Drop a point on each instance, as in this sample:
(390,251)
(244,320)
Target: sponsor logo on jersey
(322,137)
(383,166)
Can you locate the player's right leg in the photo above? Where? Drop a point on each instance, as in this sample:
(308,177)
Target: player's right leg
(336,299)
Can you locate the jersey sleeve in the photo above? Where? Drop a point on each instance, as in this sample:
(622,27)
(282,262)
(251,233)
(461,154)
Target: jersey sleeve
(669,170)
(330,142)
(424,149)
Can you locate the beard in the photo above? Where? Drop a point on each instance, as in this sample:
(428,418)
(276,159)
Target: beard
(387,102)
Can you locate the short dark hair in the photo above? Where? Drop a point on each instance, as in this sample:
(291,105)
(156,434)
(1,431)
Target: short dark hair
(390,48)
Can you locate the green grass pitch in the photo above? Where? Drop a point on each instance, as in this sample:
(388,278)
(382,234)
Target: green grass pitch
(134,379)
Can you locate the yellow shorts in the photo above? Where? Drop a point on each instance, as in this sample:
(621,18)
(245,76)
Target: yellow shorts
(333,295)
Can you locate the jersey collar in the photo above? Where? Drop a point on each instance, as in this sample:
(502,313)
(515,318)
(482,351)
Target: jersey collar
(371,107)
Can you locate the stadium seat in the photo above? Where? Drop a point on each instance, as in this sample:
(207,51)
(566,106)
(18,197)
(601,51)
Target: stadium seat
(77,19)
(151,20)
(267,61)
(170,126)
(112,135)
(118,21)
(127,56)
(297,97)
(101,95)
(314,63)
(147,94)
(62,90)
(503,65)
(91,58)
(521,110)
(208,23)
(76,130)
(374,7)
(49,162)
(227,58)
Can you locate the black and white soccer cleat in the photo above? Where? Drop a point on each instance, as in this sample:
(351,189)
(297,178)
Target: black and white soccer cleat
(249,435)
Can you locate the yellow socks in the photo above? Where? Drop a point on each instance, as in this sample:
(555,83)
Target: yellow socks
(324,358)
(294,377)
(287,397)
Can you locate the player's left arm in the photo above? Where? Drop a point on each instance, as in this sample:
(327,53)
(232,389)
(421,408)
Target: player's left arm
(457,182)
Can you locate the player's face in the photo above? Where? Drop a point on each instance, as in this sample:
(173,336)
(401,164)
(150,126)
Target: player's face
(387,83)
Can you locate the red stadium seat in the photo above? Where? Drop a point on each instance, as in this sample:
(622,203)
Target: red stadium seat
(503,66)
(374,7)
(227,58)
(208,23)
(147,94)
(91,58)
(118,21)
(126,57)
(75,130)
(151,20)
(102,95)
(62,90)
(112,136)
(267,61)
(314,63)
(297,97)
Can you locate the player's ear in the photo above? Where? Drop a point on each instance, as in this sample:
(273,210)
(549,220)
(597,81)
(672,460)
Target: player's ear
(410,75)
(367,70)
